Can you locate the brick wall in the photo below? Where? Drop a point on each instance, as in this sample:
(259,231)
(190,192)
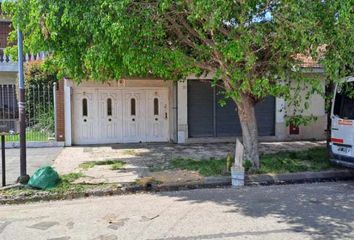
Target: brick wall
(60,115)
(5,29)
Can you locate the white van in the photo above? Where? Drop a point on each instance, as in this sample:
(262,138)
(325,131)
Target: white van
(342,129)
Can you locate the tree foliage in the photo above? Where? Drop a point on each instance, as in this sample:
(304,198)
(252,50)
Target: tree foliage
(256,47)
(37,73)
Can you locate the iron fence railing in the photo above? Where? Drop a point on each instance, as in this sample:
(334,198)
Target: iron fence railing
(40,122)
(4,59)
(8,108)
(7,59)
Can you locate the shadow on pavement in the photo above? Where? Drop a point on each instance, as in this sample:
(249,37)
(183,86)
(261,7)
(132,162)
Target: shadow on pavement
(319,210)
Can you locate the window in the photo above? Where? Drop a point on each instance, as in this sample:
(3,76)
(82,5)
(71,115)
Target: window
(344,102)
(156,106)
(132,107)
(84,107)
(109,107)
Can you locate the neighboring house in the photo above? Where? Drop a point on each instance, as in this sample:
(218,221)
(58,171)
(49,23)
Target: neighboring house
(8,76)
(8,79)
(151,110)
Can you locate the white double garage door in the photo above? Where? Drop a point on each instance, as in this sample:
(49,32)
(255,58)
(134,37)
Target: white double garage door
(120,115)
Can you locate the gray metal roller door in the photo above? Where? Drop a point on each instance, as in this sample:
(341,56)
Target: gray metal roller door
(200,109)
(206,118)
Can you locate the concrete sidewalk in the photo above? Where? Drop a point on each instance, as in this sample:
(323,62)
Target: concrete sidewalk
(36,157)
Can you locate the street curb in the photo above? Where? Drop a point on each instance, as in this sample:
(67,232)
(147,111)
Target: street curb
(70,195)
(208,182)
(301,177)
(287,178)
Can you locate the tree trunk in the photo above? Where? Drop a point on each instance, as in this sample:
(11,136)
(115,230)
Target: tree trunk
(329,94)
(247,115)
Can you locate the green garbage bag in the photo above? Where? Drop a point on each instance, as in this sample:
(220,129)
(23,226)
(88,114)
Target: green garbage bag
(44,178)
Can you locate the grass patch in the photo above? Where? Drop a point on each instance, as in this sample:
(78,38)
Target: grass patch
(17,191)
(87,165)
(210,167)
(115,164)
(31,136)
(71,177)
(315,159)
(66,184)
(129,152)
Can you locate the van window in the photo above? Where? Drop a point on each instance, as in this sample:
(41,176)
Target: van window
(344,101)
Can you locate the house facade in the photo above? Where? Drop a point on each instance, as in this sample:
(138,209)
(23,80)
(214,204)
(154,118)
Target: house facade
(155,110)
(8,79)
(150,110)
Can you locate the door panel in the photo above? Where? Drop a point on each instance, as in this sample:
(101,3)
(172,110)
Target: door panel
(157,115)
(134,116)
(85,119)
(110,116)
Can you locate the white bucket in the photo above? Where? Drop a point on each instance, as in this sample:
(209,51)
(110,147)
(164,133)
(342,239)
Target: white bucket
(237,177)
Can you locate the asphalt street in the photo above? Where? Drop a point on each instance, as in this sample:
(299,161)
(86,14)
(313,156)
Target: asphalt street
(302,211)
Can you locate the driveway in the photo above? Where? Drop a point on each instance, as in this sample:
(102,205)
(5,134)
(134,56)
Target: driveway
(304,211)
(36,157)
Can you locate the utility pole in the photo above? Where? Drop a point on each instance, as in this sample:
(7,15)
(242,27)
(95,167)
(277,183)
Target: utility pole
(22,110)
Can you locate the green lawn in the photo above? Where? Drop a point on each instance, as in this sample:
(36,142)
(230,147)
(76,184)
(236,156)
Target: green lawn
(31,136)
(315,159)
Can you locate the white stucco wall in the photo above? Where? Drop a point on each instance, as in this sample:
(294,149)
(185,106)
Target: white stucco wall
(182,119)
(67,112)
(315,129)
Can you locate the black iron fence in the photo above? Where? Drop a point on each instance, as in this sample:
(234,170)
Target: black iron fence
(40,116)
(8,108)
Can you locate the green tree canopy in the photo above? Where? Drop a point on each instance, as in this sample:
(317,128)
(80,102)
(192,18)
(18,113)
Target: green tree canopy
(256,47)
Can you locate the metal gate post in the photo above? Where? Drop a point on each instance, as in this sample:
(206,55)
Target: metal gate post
(22,110)
(3,166)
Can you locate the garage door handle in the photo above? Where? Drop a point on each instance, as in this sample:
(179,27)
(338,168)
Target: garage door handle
(156,119)
(133,119)
(109,120)
(85,120)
